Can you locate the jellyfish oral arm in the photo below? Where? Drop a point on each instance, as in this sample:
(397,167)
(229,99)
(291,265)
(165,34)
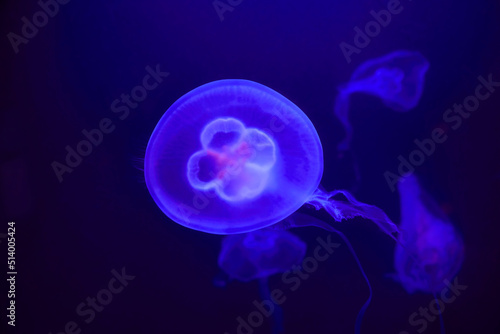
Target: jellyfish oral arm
(302,220)
(350,207)
(276,311)
(345,209)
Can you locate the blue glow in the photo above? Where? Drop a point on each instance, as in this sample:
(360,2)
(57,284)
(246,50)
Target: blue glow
(260,254)
(396,78)
(433,250)
(340,204)
(240,163)
(301,220)
(234,156)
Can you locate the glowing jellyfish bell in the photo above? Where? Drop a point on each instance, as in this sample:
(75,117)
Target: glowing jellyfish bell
(433,250)
(396,78)
(256,256)
(234,156)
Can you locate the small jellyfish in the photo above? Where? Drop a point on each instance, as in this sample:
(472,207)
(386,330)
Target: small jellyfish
(431,250)
(234,156)
(396,78)
(258,255)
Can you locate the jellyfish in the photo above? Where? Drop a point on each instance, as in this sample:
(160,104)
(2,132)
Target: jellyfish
(234,156)
(396,78)
(258,255)
(433,250)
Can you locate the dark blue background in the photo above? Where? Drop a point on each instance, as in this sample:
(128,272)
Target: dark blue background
(70,235)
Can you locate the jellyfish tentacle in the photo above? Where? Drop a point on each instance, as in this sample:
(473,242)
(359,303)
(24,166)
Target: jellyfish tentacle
(256,256)
(350,208)
(277,313)
(441,321)
(361,313)
(301,220)
(341,110)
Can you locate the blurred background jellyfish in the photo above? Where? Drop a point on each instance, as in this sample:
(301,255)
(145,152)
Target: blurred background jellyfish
(258,255)
(396,78)
(234,156)
(433,250)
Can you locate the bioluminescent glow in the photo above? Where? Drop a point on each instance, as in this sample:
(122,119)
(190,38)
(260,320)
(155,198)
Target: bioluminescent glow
(302,220)
(258,255)
(229,147)
(396,78)
(234,156)
(433,250)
